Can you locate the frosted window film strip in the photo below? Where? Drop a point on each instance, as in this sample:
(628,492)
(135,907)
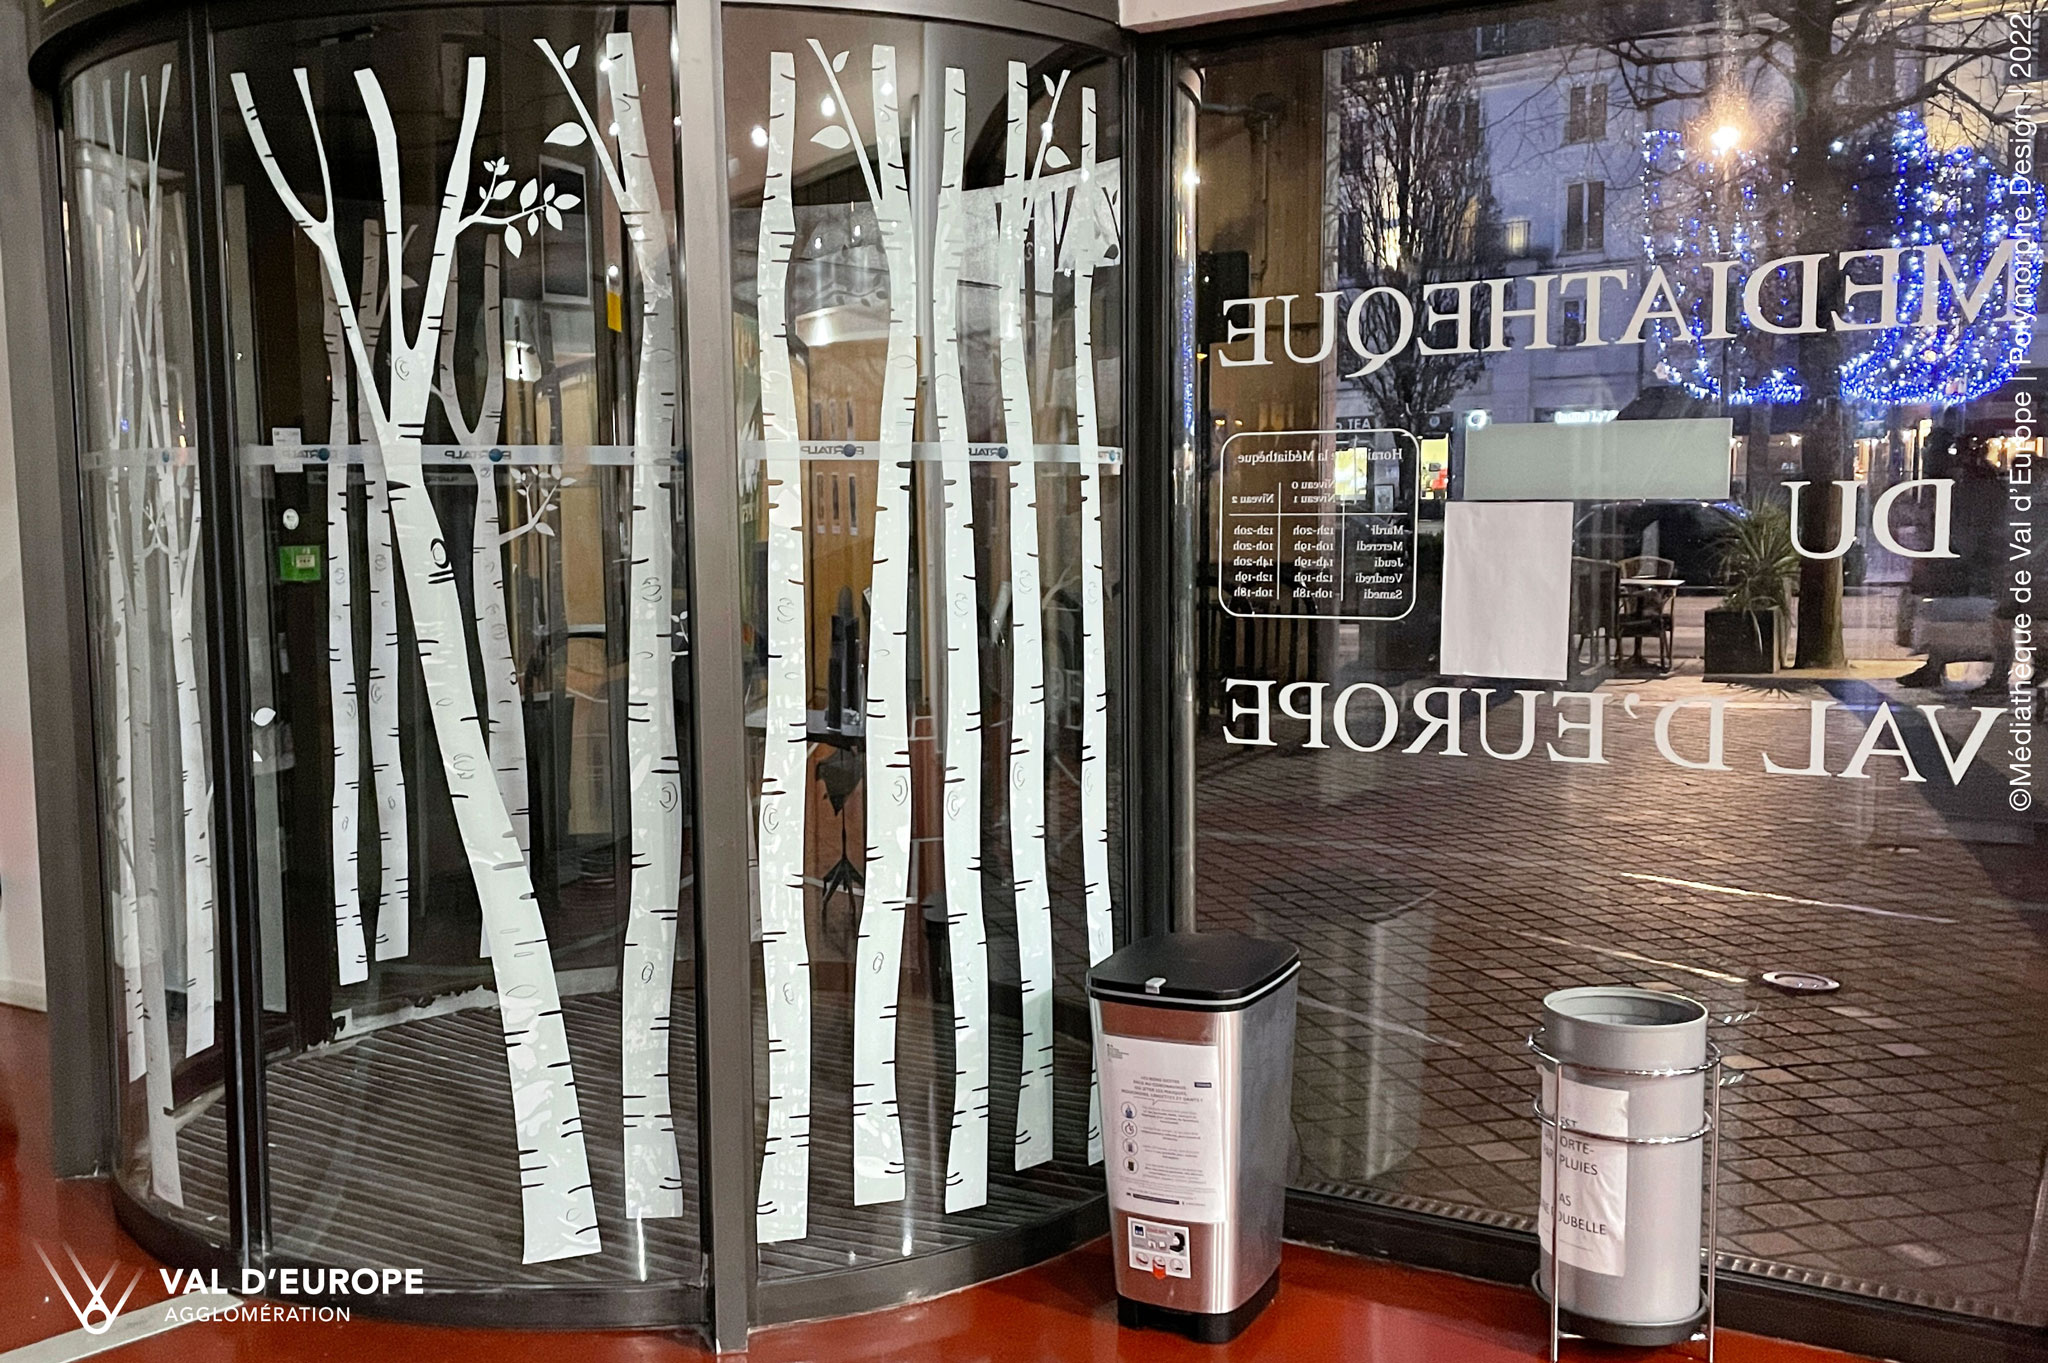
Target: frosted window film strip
(560,1215)
(877,1134)
(654,1177)
(1030,882)
(782,1211)
(960,637)
(1095,706)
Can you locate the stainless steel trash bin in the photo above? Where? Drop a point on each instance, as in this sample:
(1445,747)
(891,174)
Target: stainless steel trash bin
(1194,1045)
(1625,1116)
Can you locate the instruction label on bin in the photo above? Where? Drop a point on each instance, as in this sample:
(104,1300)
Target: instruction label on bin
(1159,1248)
(1592,1175)
(1163,1128)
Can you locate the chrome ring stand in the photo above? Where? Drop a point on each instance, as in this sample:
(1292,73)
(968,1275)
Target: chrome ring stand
(1710,1129)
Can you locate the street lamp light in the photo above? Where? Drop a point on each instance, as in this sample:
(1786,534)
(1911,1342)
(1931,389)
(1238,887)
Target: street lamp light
(1727,138)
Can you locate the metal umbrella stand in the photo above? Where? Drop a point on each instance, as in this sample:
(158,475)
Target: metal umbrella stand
(1629,1112)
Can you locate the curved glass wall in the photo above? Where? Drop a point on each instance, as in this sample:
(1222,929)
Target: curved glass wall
(452,277)
(129,187)
(449,395)
(928,273)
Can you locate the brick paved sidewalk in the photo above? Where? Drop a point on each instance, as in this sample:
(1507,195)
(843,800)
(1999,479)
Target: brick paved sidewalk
(1887,1138)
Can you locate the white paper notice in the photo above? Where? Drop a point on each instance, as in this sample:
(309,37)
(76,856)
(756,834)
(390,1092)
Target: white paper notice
(1592,1209)
(1507,601)
(1162,1128)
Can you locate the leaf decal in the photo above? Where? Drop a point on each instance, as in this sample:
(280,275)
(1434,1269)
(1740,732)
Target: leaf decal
(513,241)
(548,194)
(1048,85)
(567,202)
(530,191)
(839,63)
(544,528)
(503,191)
(569,134)
(1057,159)
(554,218)
(833,136)
(569,57)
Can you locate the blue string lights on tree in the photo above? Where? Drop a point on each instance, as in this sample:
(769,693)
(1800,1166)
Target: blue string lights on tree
(1707,205)
(1731,203)
(1956,199)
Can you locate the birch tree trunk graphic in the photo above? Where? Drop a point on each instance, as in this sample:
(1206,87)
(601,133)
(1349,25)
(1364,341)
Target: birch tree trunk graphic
(173,532)
(1030,880)
(343,700)
(877,1134)
(654,1176)
(165,1179)
(560,1213)
(1095,706)
(783,1207)
(387,762)
(960,638)
(127,943)
(506,738)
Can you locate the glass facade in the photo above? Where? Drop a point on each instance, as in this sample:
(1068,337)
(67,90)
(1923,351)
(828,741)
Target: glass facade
(450,398)
(1615,435)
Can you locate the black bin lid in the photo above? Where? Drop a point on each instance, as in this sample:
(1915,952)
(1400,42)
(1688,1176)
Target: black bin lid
(1197,969)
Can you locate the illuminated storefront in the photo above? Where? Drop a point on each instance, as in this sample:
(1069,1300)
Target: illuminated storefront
(622,708)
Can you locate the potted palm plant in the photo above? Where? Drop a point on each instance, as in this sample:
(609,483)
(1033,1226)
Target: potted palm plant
(1757,563)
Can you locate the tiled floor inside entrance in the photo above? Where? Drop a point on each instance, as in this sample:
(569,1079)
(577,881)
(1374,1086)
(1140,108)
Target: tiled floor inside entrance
(1886,1138)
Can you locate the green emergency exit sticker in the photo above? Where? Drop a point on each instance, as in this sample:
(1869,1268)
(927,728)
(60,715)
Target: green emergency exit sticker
(298,563)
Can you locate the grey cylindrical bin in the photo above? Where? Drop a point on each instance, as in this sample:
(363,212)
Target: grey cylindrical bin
(1631,1063)
(1194,1044)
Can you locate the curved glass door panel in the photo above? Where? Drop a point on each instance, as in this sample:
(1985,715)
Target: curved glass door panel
(453,298)
(926,243)
(128,195)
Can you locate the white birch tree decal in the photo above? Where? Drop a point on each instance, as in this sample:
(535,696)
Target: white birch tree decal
(176,533)
(387,756)
(654,1177)
(1029,875)
(165,1179)
(783,1207)
(877,1134)
(351,957)
(127,941)
(1095,706)
(960,639)
(560,1213)
(493,617)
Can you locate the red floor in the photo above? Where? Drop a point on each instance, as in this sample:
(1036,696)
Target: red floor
(1330,1307)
